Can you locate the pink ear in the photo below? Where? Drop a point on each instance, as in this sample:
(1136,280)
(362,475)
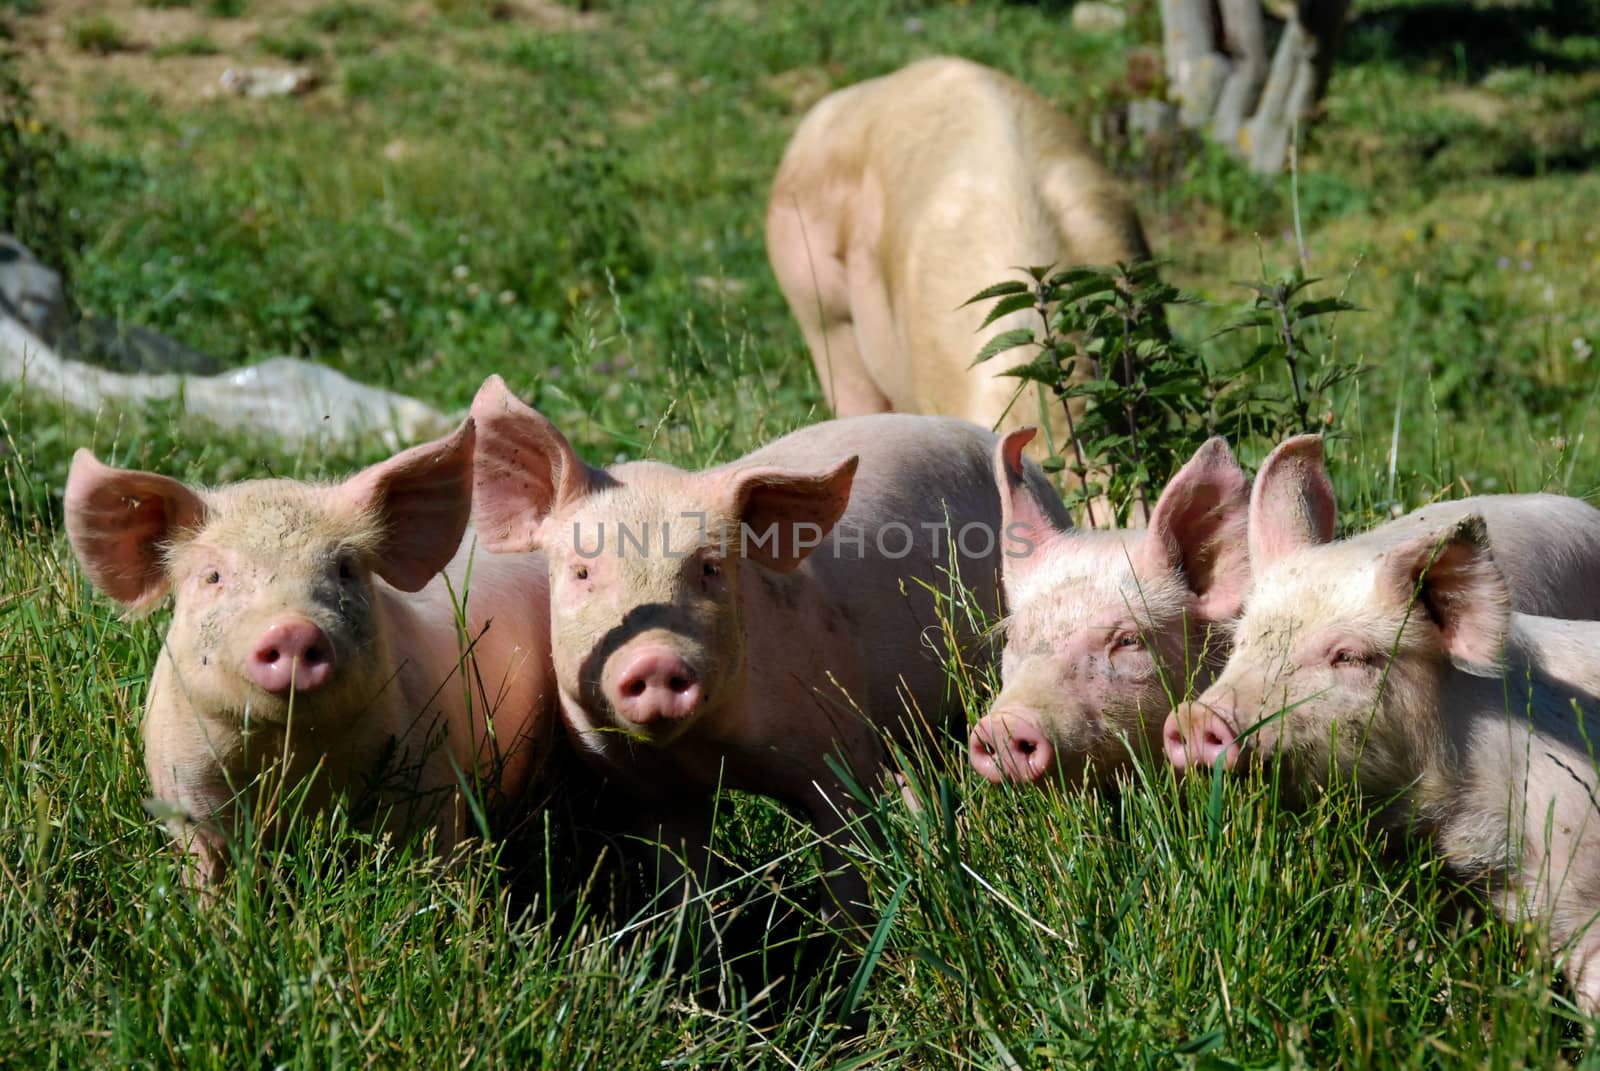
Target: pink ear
(785,514)
(1199,528)
(1291,505)
(1453,577)
(525,470)
(117,522)
(423,497)
(1026,523)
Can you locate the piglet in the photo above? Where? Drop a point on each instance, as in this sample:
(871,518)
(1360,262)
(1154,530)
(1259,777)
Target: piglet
(1398,665)
(1102,625)
(1107,629)
(313,638)
(750,625)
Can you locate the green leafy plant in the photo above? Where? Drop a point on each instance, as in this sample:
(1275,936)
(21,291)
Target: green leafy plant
(1282,313)
(1149,400)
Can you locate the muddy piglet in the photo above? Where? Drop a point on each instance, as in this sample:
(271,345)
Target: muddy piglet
(748,625)
(1398,666)
(312,637)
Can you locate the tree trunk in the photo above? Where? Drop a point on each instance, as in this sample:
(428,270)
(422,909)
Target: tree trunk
(1298,78)
(1245,39)
(1217,71)
(1196,70)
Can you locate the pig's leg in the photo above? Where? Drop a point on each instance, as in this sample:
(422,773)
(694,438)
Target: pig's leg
(1583,972)
(838,822)
(206,862)
(666,846)
(816,282)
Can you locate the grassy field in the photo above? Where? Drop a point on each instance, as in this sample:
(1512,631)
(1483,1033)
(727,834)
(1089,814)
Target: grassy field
(573,198)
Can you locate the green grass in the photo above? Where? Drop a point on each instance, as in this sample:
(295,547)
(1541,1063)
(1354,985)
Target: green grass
(581,211)
(292,47)
(98,35)
(197,44)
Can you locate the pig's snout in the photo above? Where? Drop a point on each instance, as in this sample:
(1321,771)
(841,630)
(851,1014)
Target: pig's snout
(657,685)
(1009,746)
(291,653)
(1196,735)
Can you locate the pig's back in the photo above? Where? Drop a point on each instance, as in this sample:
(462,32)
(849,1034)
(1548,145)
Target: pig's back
(923,484)
(1548,547)
(1565,653)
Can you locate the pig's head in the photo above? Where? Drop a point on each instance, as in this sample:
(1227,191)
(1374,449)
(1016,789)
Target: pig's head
(647,564)
(1104,627)
(1338,657)
(274,607)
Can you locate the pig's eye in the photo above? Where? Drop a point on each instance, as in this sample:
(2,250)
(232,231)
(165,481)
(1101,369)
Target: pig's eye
(346,570)
(1347,657)
(580,572)
(710,570)
(213,577)
(1128,641)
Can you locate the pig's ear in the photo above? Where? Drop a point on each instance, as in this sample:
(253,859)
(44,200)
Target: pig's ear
(1291,505)
(423,499)
(1198,528)
(1453,577)
(525,470)
(772,505)
(118,521)
(1027,520)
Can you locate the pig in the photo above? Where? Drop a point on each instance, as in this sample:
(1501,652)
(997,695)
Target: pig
(1106,629)
(901,197)
(743,626)
(313,636)
(1102,626)
(1399,667)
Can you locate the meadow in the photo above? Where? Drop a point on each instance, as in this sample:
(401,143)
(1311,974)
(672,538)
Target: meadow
(572,196)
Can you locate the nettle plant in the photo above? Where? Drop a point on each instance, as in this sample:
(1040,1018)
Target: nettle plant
(1149,399)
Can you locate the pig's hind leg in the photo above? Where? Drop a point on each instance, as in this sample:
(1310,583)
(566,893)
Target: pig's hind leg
(816,282)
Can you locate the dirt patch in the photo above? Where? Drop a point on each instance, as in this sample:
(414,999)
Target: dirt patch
(67,79)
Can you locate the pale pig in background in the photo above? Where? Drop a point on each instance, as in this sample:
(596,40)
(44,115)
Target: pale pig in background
(1401,666)
(702,657)
(900,198)
(1107,629)
(312,636)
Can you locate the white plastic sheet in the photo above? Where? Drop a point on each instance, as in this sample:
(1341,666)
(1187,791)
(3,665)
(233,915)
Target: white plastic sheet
(295,402)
